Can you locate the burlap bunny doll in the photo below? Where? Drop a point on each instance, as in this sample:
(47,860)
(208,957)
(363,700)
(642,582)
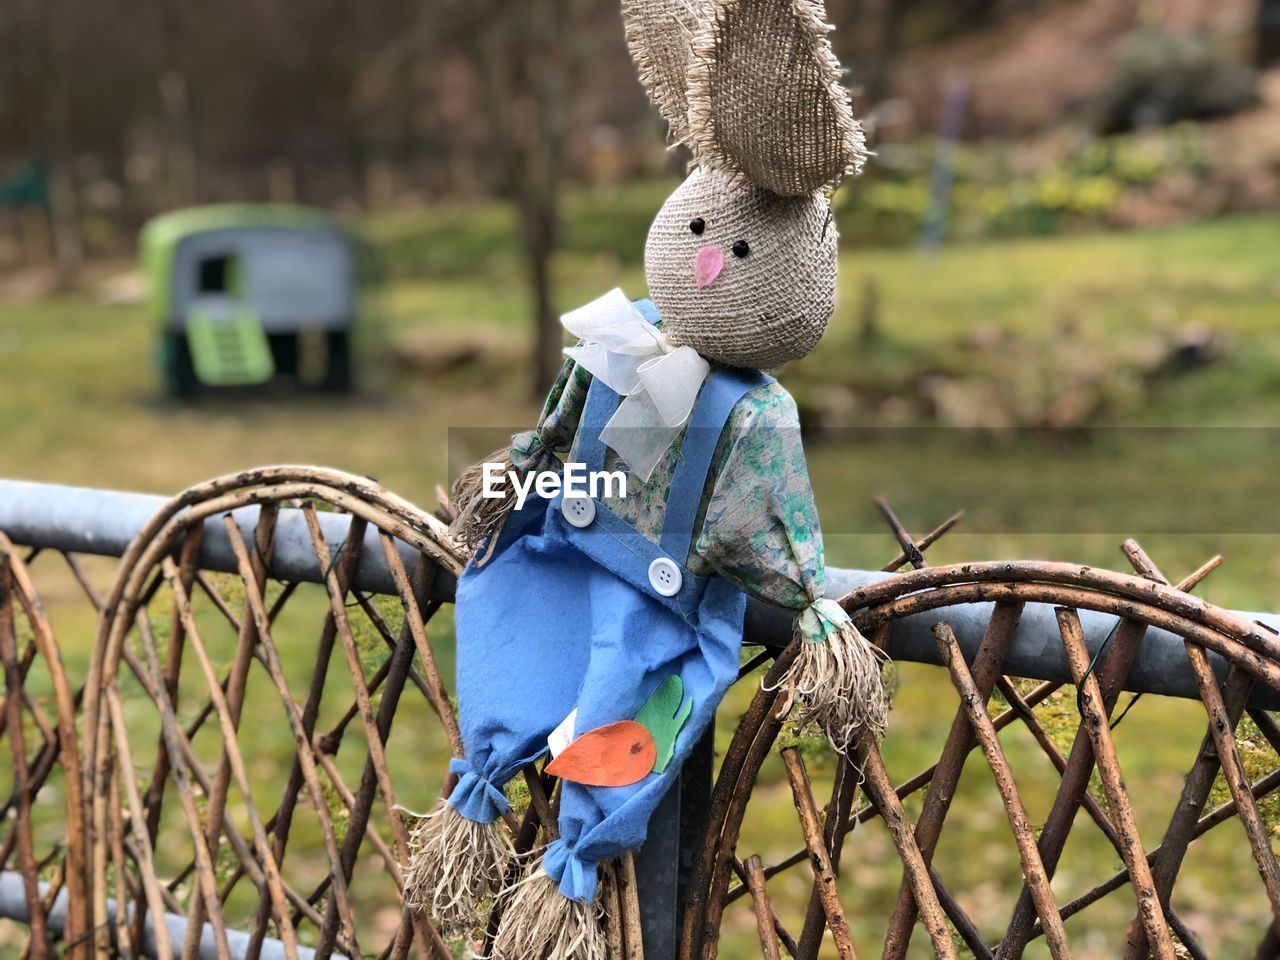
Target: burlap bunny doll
(611,624)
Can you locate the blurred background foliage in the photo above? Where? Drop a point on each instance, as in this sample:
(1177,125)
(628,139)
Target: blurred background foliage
(464,130)
(116,110)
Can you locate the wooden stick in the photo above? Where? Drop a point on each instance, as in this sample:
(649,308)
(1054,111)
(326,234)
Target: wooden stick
(302,742)
(811,824)
(974,704)
(632,935)
(783,934)
(142,852)
(235,762)
(612,911)
(1223,717)
(1104,751)
(921,780)
(996,640)
(124,938)
(769,948)
(21,772)
(413,616)
(204,886)
(79,904)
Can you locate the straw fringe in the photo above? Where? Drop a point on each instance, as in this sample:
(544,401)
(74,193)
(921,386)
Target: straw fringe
(540,923)
(453,864)
(838,687)
(478,517)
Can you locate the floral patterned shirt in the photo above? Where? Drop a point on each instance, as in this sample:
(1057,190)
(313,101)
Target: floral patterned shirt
(758,524)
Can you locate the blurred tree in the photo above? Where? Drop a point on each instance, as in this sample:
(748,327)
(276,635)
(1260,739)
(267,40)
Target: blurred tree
(133,106)
(59,49)
(175,103)
(883,20)
(38,45)
(1163,77)
(873,33)
(1268,34)
(528,57)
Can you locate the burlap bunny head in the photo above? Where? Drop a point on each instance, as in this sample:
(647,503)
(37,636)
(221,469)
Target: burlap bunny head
(741,260)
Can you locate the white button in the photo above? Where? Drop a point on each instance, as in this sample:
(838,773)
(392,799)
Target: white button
(664,576)
(579,511)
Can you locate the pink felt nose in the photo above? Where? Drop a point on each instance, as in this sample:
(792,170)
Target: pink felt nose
(707,264)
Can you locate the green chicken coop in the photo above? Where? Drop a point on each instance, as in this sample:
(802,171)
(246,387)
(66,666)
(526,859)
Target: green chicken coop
(246,293)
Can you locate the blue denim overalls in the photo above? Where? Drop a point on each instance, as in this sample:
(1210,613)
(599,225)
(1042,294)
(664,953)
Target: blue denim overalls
(571,610)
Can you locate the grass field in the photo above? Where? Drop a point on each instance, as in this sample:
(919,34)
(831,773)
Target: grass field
(81,402)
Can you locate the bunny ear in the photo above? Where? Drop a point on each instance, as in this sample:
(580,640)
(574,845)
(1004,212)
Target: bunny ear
(765,97)
(660,36)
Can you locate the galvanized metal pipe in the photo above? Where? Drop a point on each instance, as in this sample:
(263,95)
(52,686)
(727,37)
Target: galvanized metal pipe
(85,520)
(13,906)
(1037,652)
(103,522)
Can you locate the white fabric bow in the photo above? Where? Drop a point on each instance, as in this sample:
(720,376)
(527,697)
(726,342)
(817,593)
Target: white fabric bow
(658,381)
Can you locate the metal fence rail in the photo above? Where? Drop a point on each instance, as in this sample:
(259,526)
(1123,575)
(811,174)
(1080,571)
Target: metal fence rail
(13,906)
(103,522)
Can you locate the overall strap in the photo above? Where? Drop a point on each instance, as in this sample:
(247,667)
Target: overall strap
(600,406)
(721,393)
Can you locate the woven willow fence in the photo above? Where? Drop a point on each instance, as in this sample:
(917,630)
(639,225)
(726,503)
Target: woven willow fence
(224,770)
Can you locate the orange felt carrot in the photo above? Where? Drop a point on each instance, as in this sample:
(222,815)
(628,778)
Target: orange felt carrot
(614,755)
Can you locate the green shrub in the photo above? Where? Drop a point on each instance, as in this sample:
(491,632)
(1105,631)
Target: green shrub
(1163,78)
(996,194)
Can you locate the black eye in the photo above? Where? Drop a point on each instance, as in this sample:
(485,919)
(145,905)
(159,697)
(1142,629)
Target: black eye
(741,248)
(697,225)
